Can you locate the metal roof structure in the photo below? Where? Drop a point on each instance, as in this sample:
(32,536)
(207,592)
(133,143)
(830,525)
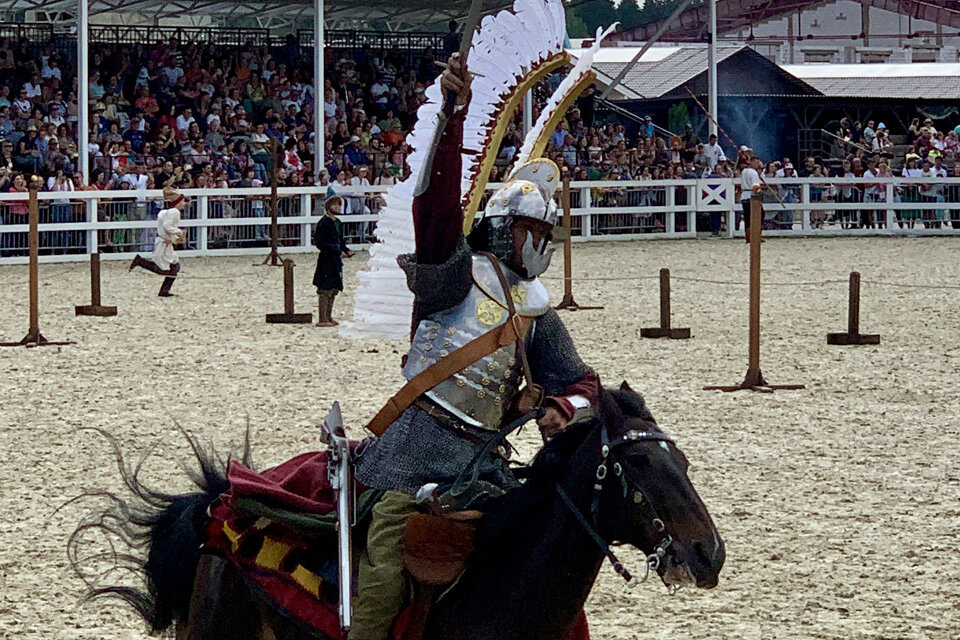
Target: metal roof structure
(396,15)
(664,69)
(692,24)
(929,81)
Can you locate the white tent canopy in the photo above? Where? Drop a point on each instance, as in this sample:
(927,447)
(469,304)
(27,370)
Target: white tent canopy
(395,15)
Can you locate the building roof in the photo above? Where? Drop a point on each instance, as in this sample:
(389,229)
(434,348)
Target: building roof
(659,71)
(918,80)
(692,25)
(664,70)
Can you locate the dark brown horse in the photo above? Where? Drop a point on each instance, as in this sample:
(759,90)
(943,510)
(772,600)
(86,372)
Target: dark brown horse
(538,550)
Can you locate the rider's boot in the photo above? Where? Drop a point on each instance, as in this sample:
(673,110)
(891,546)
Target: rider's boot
(382,581)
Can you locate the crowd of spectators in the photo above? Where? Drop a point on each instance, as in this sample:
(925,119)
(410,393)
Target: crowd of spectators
(207,116)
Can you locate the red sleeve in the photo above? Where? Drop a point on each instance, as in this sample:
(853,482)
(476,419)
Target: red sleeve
(437,213)
(587,387)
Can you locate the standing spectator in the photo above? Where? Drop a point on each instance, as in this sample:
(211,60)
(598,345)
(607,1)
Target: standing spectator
(647,129)
(690,142)
(328,276)
(61,213)
(911,192)
(451,41)
(869,135)
(361,180)
(749,182)
(871,193)
(135,135)
(880,141)
(883,171)
(789,194)
(846,194)
(713,152)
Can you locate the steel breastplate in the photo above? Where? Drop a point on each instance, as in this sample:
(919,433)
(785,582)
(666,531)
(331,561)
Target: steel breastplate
(480,394)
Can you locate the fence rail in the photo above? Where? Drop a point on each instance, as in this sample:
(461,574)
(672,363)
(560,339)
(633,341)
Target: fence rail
(237,221)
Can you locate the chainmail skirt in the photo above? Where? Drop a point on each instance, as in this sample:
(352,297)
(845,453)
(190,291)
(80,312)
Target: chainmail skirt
(418,449)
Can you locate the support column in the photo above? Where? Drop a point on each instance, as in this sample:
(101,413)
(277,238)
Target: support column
(712,65)
(865,24)
(319,140)
(83,91)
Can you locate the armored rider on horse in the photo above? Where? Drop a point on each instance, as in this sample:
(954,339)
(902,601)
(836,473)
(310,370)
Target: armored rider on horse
(464,288)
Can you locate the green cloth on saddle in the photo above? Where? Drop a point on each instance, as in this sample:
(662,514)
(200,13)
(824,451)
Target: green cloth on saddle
(307,525)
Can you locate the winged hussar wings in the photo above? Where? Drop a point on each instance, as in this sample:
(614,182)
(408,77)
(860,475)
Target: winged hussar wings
(510,52)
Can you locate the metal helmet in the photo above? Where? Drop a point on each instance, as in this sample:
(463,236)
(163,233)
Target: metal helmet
(528,193)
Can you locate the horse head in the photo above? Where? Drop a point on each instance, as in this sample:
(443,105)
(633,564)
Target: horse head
(647,500)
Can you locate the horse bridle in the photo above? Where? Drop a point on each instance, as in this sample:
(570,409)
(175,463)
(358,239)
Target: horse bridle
(607,454)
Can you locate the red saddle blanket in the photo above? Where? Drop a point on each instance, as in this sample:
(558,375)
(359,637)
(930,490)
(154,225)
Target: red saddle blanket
(293,570)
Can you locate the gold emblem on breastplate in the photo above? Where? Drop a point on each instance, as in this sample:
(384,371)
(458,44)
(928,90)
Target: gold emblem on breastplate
(489,312)
(519,294)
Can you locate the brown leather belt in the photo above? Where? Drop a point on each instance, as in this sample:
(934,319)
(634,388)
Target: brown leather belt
(447,419)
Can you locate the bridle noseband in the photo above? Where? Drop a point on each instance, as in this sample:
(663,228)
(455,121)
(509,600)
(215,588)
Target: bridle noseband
(607,453)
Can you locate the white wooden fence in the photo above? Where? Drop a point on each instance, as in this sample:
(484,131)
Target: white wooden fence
(236,221)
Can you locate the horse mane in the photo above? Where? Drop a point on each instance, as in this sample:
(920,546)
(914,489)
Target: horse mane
(133,524)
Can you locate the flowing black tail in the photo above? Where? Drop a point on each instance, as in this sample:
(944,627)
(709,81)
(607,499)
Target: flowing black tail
(160,535)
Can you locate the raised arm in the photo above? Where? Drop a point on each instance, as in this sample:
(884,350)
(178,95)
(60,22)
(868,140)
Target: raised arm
(437,212)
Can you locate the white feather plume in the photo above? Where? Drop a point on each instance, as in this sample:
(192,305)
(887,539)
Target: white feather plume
(578,71)
(505,49)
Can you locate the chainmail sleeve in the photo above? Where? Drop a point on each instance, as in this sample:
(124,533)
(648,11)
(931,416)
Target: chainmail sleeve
(554,361)
(438,286)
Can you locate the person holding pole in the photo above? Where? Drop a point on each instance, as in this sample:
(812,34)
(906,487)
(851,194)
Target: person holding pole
(164,261)
(328,277)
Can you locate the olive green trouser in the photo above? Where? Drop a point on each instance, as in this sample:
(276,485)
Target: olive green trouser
(382,582)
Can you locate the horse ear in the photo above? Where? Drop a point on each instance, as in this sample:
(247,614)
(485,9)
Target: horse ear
(626,387)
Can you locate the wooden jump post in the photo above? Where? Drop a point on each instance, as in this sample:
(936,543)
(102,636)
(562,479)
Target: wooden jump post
(853,335)
(565,234)
(288,316)
(273,258)
(95,308)
(34,338)
(665,330)
(754,379)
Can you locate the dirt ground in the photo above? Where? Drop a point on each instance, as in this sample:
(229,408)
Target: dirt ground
(839,504)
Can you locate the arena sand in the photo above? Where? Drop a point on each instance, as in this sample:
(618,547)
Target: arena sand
(839,504)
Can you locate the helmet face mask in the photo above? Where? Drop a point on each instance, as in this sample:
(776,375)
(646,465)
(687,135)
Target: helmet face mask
(518,219)
(519,242)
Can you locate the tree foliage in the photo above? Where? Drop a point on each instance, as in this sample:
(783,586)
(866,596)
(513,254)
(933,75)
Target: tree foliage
(602,13)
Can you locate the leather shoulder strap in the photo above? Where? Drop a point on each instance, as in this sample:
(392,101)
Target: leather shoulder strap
(512,310)
(461,358)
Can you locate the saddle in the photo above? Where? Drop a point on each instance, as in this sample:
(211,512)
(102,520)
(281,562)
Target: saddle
(279,528)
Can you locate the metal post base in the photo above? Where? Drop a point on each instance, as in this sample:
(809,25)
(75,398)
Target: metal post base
(754,381)
(34,339)
(95,310)
(665,332)
(853,338)
(289,318)
(570,304)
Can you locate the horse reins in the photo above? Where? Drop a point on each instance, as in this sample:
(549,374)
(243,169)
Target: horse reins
(607,449)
